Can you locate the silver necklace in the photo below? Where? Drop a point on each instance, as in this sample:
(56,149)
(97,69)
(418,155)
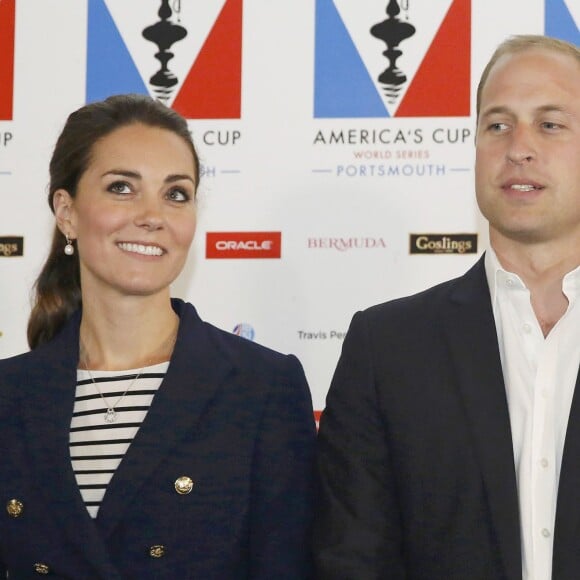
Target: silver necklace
(110,415)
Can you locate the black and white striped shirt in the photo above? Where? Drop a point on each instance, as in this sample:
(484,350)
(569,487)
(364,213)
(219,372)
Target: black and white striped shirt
(97,447)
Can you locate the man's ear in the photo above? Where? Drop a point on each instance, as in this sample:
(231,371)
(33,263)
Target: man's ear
(63,205)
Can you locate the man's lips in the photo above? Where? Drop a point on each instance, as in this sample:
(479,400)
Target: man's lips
(521,186)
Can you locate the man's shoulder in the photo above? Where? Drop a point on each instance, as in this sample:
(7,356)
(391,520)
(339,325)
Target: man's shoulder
(427,299)
(435,300)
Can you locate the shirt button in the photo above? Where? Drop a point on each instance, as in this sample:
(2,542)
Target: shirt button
(527,328)
(509,282)
(14,508)
(546,532)
(157,551)
(183,485)
(41,568)
(544,462)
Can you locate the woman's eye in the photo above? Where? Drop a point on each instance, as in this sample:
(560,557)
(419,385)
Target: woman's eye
(119,187)
(178,194)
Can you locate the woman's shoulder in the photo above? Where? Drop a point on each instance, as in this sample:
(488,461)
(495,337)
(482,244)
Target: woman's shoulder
(13,374)
(18,361)
(246,351)
(243,352)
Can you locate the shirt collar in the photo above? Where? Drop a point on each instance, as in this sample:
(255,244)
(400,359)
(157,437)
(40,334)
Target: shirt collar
(496,274)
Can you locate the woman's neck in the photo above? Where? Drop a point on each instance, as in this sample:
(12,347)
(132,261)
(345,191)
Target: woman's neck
(132,332)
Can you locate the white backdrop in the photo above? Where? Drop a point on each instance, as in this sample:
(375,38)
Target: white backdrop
(295,135)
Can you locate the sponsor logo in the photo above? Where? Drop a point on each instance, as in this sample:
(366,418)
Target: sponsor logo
(317,415)
(392,58)
(321,334)
(11,246)
(244,330)
(168,50)
(243,245)
(562,19)
(5,138)
(346,244)
(443,244)
(393,152)
(7,11)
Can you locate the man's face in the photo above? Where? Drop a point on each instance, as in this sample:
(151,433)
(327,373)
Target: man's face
(527,169)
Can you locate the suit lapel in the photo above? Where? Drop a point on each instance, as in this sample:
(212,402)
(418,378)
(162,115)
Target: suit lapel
(565,558)
(196,371)
(47,410)
(472,336)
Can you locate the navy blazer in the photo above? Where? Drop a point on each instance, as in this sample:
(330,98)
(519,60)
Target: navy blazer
(234,416)
(415,448)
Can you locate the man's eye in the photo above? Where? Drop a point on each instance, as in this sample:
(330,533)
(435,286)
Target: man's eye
(550,125)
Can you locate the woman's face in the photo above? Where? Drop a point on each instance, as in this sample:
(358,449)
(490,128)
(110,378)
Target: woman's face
(134,213)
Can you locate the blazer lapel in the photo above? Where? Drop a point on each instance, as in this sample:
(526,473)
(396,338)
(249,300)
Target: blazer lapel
(566,561)
(47,410)
(196,372)
(473,339)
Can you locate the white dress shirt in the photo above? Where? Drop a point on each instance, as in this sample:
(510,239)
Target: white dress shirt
(540,375)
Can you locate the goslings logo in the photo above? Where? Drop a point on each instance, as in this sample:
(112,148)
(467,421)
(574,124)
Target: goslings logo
(413,63)
(11,246)
(186,54)
(443,244)
(6,58)
(243,245)
(561,20)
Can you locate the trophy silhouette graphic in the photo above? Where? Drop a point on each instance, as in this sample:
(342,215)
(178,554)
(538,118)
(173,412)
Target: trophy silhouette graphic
(392,32)
(164,34)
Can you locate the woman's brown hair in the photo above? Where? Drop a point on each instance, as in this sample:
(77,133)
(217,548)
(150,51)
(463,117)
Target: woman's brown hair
(58,287)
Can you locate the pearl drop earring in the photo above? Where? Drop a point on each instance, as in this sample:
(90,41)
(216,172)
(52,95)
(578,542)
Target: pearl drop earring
(69,249)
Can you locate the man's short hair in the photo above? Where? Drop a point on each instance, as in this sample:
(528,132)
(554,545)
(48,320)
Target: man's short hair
(521,43)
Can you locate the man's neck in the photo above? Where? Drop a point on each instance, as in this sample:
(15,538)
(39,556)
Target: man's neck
(542,268)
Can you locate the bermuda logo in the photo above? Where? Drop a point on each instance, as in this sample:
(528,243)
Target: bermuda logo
(562,18)
(6,59)
(378,58)
(188,55)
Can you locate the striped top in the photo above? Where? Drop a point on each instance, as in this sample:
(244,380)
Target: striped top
(97,447)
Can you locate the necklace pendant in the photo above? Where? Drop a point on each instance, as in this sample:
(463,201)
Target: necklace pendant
(110,416)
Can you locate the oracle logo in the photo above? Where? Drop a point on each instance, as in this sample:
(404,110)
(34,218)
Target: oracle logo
(243,245)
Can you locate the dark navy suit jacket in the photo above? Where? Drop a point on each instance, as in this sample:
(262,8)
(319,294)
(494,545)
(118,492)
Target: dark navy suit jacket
(416,455)
(233,416)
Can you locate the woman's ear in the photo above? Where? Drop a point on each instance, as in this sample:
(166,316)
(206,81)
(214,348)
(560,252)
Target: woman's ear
(63,203)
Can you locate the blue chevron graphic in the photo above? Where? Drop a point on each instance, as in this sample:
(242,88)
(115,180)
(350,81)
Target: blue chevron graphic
(109,63)
(346,90)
